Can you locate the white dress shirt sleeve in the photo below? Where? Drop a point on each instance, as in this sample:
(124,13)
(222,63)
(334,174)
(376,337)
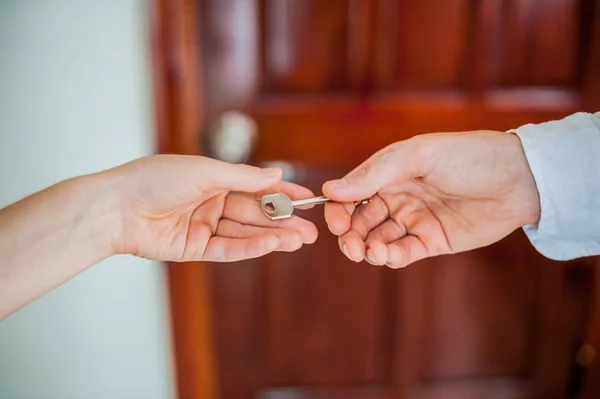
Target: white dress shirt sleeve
(564,157)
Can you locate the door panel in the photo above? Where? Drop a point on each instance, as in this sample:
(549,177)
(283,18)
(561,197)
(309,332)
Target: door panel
(304,47)
(535,39)
(420,44)
(329,83)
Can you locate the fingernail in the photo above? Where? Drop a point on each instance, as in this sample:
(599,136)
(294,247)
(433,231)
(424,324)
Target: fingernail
(369,258)
(272,172)
(345,251)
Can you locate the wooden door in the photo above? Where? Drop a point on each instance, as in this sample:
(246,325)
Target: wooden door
(328,83)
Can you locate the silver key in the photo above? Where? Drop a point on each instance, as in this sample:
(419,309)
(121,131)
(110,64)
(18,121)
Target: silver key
(280,206)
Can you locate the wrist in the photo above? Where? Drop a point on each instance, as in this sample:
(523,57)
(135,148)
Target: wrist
(527,193)
(102,212)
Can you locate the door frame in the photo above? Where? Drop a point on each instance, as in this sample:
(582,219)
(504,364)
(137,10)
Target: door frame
(175,49)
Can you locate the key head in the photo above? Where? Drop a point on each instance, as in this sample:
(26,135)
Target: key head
(277,206)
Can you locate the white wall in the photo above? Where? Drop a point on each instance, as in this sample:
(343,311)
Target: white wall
(75,98)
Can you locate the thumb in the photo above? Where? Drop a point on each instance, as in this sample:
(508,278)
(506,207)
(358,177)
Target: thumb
(370,177)
(236,177)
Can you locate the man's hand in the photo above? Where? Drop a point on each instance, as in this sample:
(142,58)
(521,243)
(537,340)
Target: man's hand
(433,194)
(177,208)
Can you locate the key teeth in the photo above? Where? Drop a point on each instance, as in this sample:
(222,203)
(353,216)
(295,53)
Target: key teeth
(362,202)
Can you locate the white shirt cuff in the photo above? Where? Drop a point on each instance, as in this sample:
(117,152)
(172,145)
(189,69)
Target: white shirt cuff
(564,157)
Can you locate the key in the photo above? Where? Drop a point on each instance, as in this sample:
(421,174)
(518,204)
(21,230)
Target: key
(280,206)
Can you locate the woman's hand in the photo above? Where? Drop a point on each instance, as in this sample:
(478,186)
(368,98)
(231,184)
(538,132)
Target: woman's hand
(179,208)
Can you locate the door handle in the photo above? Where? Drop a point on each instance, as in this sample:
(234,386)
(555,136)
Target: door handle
(231,138)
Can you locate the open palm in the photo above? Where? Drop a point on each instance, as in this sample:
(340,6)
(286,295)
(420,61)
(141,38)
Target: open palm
(179,208)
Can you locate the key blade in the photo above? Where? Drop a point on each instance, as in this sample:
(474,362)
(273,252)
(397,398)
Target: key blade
(322,199)
(310,201)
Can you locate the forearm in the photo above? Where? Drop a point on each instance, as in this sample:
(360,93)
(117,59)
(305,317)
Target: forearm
(51,236)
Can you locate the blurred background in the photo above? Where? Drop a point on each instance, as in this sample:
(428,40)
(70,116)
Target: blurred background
(75,98)
(315,87)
